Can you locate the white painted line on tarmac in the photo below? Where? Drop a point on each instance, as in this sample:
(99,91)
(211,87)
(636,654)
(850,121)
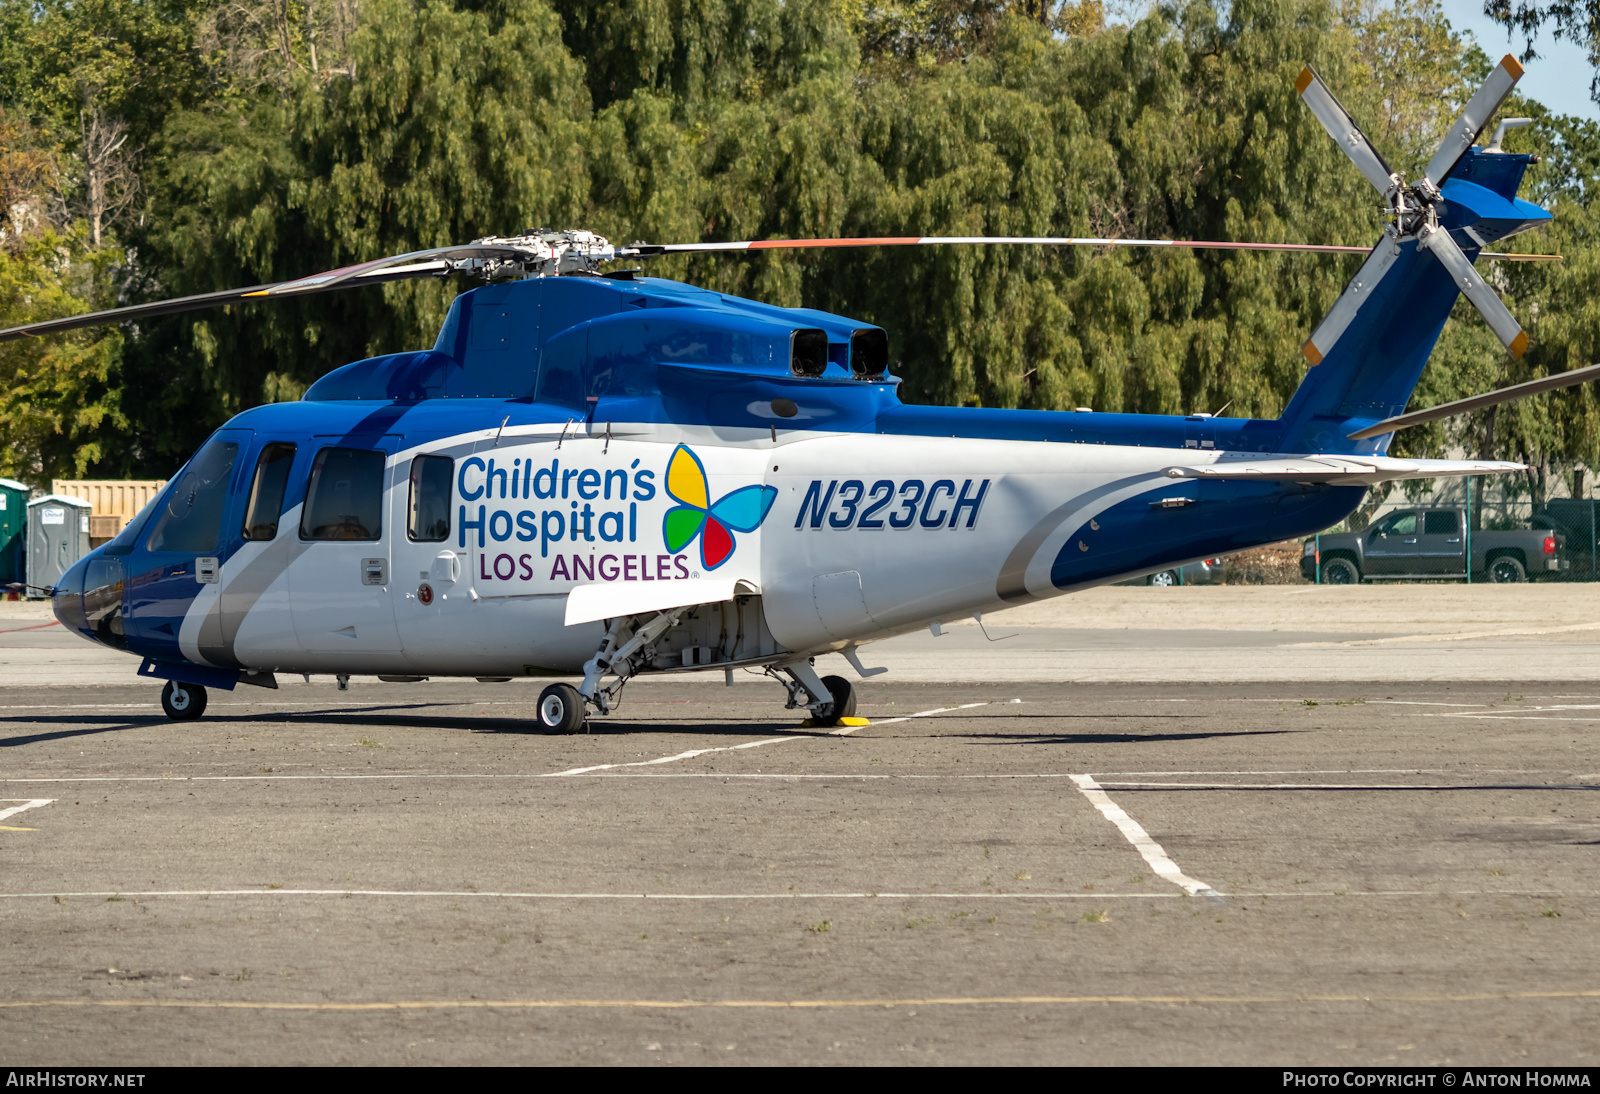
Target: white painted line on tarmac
(724,775)
(466,894)
(1119,784)
(129,894)
(1313,771)
(1136,835)
(692,753)
(27,803)
(908,717)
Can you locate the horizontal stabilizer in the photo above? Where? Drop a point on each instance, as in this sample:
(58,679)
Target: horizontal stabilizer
(1342,470)
(613,599)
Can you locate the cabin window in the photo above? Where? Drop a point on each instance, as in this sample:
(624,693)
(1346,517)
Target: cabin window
(431,478)
(192,516)
(261,512)
(344,498)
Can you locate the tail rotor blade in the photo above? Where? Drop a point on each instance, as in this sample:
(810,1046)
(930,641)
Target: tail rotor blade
(1480,108)
(1349,303)
(1344,131)
(1476,289)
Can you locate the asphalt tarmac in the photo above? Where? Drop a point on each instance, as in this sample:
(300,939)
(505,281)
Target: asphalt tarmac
(1151,871)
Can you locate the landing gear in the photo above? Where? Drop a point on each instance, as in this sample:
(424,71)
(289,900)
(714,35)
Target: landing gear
(843,704)
(830,699)
(560,710)
(183,702)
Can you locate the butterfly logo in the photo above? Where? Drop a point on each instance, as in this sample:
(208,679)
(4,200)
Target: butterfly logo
(740,510)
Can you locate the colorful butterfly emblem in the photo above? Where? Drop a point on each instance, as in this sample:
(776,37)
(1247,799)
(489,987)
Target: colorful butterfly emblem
(740,510)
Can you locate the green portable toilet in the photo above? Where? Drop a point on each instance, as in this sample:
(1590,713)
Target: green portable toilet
(13,521)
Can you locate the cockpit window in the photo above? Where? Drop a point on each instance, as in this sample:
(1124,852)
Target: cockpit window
(344,497)
(266,491)
(431,478)
(192,516)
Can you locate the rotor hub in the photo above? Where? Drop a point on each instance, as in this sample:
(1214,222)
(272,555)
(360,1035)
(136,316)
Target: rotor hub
(543,253)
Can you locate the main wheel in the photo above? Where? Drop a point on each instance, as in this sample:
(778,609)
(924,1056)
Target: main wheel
(1506,570)
(560,709)
(1165,577)
(1340,571)
(842,706)
(183,702)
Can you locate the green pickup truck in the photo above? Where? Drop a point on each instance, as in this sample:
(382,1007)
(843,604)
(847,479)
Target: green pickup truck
(1408,544)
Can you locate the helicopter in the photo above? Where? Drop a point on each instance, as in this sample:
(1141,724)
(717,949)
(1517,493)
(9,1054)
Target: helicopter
(604,475)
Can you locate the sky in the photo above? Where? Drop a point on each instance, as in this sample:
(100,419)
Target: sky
(1559,78)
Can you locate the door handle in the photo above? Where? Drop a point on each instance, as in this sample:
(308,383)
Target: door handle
(1412,540)
(1456,540)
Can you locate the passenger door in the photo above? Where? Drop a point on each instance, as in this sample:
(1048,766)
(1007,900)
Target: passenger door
(339,589)
(431,579)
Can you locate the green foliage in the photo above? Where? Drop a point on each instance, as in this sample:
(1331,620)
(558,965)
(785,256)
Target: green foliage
(262,141)
(58,397)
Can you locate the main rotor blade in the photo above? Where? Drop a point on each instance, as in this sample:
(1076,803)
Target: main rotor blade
(1344,131)
(646,250)
(1321,342)
(1478,402)
(1476,289)
(1480,108)
(651,250)
(332,278)
(218,299)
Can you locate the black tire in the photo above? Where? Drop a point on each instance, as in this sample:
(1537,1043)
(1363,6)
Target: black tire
(560,710)
(183,702)
(1507,570)
(842,706)
(1340,571)
(1165,578)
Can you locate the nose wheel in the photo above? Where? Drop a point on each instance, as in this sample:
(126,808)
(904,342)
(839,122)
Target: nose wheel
(183,702)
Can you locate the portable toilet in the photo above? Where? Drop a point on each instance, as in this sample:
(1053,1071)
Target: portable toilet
(13,520)
(58,536)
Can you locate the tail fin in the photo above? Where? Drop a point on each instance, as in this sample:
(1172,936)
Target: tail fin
(1367,368)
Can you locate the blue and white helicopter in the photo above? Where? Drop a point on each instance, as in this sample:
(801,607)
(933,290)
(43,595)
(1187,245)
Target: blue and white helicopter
(606,475)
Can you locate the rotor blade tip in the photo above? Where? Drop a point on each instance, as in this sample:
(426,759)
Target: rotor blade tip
(263,292)
(1312,353)
(1519,344)
(1304,80)
(1513,69)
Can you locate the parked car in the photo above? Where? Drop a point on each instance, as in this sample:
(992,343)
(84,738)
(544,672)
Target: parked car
(1431,543)
(1205,572)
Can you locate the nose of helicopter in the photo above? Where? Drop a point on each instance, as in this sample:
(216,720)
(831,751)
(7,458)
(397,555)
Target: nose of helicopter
(66,599)
(88,600)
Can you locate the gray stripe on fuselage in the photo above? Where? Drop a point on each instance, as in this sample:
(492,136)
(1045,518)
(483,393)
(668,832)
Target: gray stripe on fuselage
(1012,583)
(221,626)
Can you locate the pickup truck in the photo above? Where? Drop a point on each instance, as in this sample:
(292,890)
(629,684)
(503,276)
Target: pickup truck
(1408,544)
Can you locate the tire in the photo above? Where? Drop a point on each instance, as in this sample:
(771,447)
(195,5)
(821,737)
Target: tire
(1340,571)
(183,702)
(560,710)
(843,705)
(1165,578)
(1507,570)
